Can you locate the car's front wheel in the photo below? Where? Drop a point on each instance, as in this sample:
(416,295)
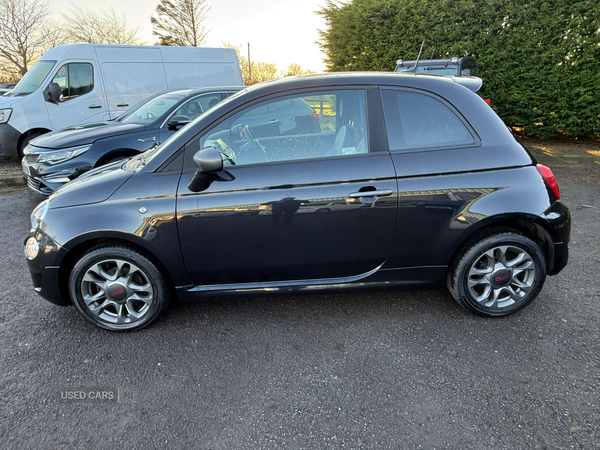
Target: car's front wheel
(498,274)
(118,289)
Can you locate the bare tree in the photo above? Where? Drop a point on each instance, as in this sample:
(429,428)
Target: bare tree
(25,34)
(180,22)
(100,27)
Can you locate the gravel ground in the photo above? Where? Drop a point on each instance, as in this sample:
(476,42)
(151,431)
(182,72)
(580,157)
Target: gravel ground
(376,370)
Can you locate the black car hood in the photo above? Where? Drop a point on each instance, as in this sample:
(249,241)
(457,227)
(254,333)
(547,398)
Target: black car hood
(84,134)
(92,187)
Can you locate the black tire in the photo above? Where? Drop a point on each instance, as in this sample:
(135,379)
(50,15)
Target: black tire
(26,141)
(511,284)
(140,293)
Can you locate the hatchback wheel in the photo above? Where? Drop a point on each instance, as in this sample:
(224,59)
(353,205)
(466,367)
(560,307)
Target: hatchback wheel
(498,274)
(118,289)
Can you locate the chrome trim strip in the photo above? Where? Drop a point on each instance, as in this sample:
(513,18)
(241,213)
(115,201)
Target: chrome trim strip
(274,285)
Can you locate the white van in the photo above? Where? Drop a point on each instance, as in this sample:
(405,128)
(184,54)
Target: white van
(82,83)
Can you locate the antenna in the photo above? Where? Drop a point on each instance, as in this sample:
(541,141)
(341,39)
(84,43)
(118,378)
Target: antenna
(432,53)
(414,69)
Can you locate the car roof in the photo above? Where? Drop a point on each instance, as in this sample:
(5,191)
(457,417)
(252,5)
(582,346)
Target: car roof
(434,83)
(195,91)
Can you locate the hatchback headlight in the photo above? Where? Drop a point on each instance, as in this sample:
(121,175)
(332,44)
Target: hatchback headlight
(53,157)
(38,214)
(5,115)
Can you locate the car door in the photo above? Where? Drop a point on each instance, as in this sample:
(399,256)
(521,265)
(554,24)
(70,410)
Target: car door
(320,204)
(81,101)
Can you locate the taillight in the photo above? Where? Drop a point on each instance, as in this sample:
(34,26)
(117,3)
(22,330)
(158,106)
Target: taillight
(488,100)
(548,177)
(314,115)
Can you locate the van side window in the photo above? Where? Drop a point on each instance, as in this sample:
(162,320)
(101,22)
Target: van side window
(74,79)
(418,121)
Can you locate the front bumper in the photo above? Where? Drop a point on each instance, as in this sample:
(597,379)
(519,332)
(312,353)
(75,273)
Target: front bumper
(45,270)
(45,178)
(9,137)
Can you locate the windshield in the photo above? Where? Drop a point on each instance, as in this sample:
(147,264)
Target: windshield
(33,78)
(150,110)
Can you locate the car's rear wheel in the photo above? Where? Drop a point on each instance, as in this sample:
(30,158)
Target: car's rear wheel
(118,289)
(498,274)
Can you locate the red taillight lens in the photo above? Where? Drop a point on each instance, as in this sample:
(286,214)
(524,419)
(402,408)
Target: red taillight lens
(488,100)
(548,177)
(314,116)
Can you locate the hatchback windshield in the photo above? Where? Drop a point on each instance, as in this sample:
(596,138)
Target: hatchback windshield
(33,78)
(150,110)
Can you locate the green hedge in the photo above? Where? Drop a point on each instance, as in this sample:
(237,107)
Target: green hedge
(539,60)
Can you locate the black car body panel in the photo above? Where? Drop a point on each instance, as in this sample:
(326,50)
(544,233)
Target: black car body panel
(302,224)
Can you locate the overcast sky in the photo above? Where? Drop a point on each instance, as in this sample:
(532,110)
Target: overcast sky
(279,31)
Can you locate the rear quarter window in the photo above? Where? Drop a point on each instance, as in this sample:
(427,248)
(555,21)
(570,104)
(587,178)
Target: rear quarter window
(418,121)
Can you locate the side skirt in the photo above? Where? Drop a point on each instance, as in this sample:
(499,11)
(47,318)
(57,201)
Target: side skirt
(376,279)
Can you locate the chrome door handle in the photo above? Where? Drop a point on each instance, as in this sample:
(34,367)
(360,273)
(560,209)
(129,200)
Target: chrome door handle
(122,104)
(152,139)
(382,193)
(95,106)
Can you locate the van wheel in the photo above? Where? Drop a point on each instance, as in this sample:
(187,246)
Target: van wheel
(498,274)
(118,289)
(26,141)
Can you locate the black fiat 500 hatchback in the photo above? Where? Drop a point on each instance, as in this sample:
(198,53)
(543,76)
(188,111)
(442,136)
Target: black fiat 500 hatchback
(375,180)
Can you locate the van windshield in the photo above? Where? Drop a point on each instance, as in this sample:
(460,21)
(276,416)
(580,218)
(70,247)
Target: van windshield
(32,79)
(150,110)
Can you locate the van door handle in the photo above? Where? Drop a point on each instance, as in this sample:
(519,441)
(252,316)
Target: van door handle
(123,104)
(150,139)
(95,106)
(382,193)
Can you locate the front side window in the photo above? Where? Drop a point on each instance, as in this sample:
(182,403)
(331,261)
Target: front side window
(75,80)
(294,127)
(150,110)
(198,105)
(418,121)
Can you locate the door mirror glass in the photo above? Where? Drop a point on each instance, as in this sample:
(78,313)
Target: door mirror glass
(178,122)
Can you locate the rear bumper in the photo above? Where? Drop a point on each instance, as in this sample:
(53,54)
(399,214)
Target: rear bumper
(556,221)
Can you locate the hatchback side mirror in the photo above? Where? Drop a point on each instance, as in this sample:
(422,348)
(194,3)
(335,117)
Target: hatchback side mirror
(207,161)
(178,122)
(52,93)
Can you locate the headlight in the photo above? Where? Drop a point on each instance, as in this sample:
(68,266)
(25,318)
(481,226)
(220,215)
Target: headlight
(5,115)
(38,214)
(57,156)
(31,248)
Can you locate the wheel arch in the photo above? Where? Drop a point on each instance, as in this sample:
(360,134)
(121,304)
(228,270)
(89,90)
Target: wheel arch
(522,224)
(83,244)
(33,131)
(124,152)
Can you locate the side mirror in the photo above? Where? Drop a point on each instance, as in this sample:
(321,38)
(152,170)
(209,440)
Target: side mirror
(178,122)
(52,93)
(207,161)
